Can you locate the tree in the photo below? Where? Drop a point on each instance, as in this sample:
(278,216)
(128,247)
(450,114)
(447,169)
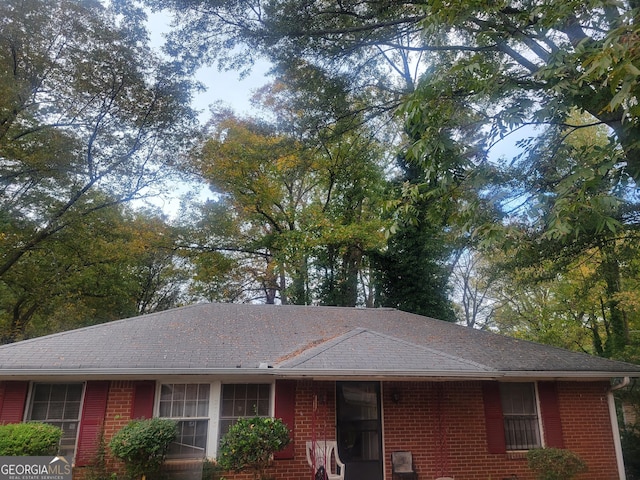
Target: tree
(473,289)
(128,267)
(488,70)
(526,63)
(294,210)
(575,240)
(90,119)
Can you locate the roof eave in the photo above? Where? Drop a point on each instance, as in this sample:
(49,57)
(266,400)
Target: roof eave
(333,374)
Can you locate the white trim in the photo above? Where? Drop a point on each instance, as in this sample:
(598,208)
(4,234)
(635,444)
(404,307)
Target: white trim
(615,432)
(334,374)
(541,431)
(214,418)
(215,405)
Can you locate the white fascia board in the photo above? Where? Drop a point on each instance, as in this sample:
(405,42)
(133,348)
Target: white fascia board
(147,373)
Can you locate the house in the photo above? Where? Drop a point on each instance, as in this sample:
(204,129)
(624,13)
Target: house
(466,403)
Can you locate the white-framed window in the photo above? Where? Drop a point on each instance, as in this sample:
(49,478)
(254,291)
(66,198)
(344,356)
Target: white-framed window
(188,403)
(243,400)
(521,419)
(205,410)
(58,404)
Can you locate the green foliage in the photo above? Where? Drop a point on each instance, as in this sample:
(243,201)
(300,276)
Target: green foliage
(86,112)
(27,439)
(630,439)
(250,443)
(142,445)
(555,463)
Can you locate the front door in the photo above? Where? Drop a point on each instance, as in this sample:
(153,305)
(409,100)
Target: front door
(360,429)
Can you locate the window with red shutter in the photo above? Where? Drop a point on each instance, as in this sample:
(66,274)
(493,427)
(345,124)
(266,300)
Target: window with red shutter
(94,410)
(520,412)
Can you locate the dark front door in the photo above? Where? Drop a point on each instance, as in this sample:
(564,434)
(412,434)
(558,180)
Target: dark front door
(360,429)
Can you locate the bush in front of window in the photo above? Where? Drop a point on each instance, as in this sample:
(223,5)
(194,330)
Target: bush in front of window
(142,445)
(250,444)
(555,463)
(29,439)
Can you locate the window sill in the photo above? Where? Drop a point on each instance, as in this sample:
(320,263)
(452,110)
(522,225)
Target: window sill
(517,455)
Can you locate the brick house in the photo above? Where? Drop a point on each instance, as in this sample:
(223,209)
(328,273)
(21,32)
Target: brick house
(467,404)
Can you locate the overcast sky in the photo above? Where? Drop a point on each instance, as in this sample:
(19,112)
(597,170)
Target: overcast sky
(221,86)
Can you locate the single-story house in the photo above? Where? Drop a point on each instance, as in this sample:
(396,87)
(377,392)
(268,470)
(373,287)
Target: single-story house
(465,403)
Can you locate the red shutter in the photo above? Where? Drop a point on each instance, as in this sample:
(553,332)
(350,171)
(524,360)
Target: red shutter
(13,396)
(494,419)
(143,394)
(285,409)
(550,412)
(94,409)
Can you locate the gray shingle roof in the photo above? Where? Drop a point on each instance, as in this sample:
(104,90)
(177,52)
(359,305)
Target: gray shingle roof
(207,338)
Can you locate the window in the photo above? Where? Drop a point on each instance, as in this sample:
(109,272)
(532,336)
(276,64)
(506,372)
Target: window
(521,426)
(242,400)
(58,404)
(189,404)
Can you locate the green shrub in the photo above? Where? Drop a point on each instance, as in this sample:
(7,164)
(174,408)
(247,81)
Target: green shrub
(250,443)
(142,445)
(29,439)
(555,463)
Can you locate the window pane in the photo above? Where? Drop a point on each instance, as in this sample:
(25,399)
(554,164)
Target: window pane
(520,416)
(263,407)
(187,401)
(191,441)
(190,408)
(239,400)
(39,411)
(227,408)
(59,405)
(179,392)
(71,410)
(56,410)
(166,393)
(41,393)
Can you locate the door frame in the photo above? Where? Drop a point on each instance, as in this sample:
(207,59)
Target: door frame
(347,429)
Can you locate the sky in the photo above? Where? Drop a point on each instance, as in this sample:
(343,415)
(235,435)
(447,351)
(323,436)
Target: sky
(226,87)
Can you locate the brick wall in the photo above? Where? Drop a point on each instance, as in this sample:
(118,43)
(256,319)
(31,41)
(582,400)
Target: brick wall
(441,423)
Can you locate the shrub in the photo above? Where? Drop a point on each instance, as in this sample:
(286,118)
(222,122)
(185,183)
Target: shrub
(142,445)
(555,463)
(250,443)
(29,439)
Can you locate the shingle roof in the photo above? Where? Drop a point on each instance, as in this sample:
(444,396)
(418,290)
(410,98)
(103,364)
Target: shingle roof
(294,340)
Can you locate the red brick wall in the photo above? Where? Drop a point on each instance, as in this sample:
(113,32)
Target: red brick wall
(442,424)
(584,409)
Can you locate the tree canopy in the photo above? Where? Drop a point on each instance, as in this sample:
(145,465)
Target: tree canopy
(90,119)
